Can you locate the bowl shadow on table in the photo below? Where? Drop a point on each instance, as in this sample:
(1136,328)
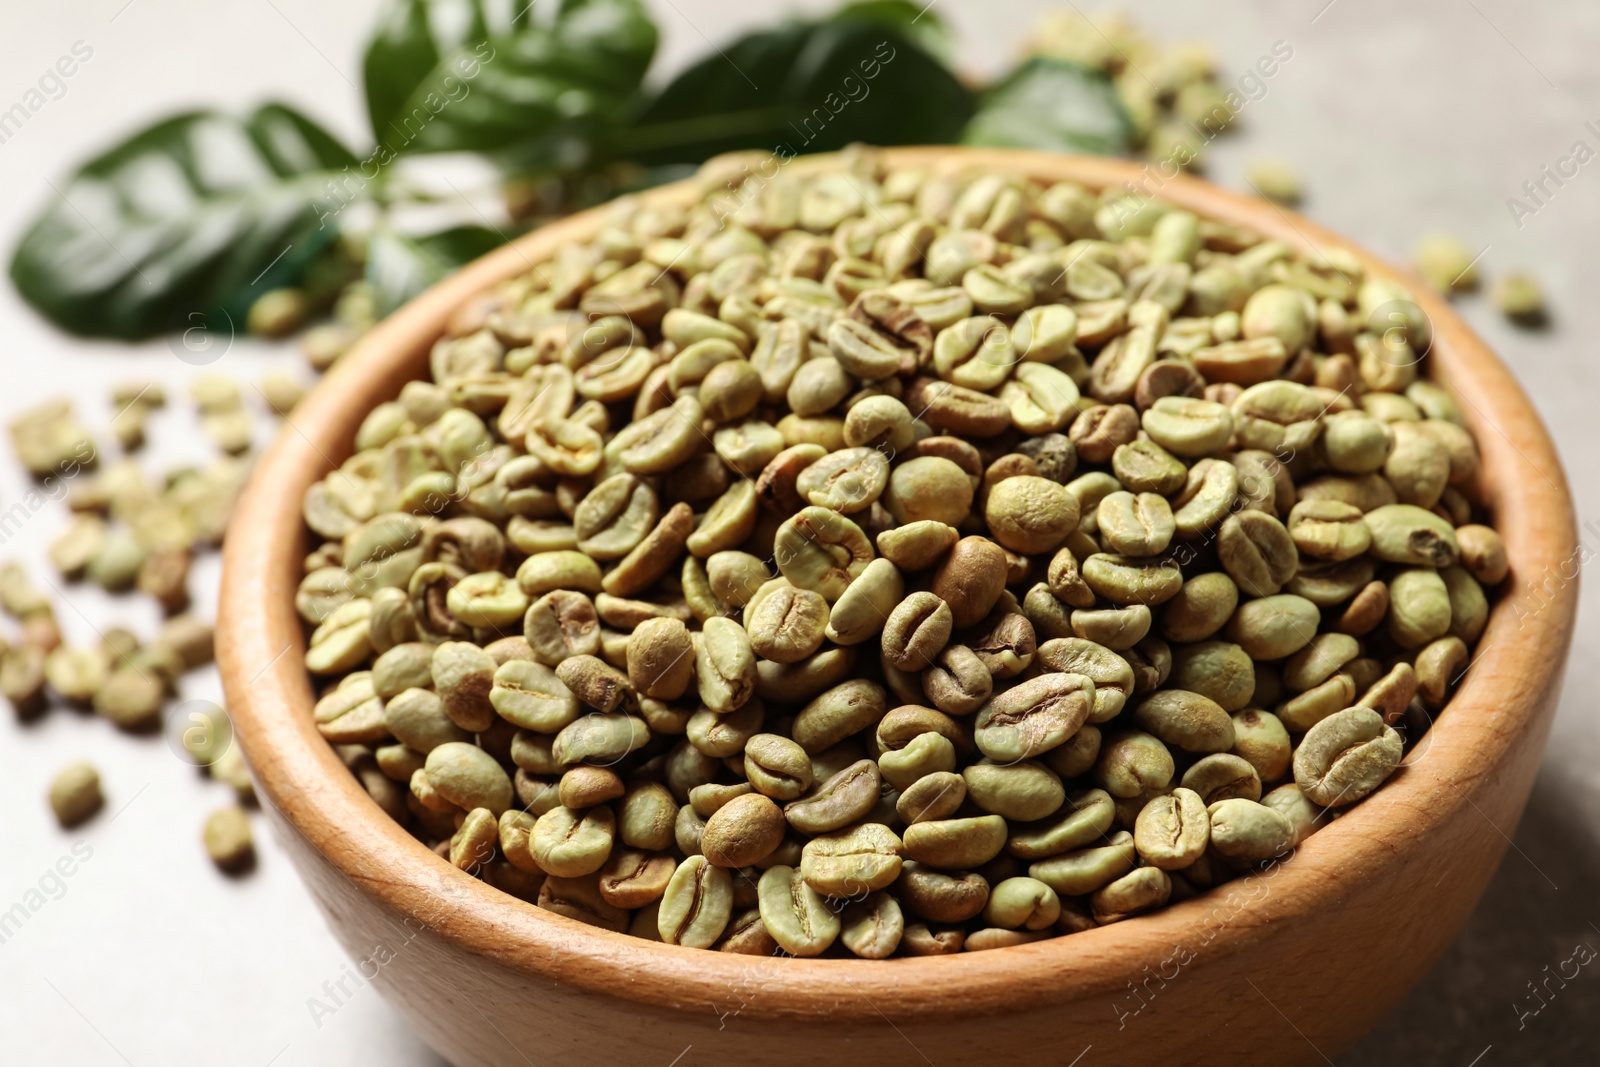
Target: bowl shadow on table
(1523,976)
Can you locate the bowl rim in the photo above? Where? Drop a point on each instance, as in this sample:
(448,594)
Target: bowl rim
(298,772)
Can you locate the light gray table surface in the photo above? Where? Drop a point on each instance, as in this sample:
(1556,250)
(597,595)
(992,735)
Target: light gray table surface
(1407,117)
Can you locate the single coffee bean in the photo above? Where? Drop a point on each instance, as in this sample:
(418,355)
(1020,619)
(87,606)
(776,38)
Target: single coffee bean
(696,905)
(228,840)
(743,831)
(795,913)
(1080,873)
(873,926)
(1022,903)
(848,863)
(955,844)
(1132,894)
(1248,832)
(1172,831)
(941,897)
(1346,756)
(1186,720)
(75,794)
(1033,717)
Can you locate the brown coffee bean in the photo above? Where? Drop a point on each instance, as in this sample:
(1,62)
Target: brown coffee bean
(970,581)
(917,631)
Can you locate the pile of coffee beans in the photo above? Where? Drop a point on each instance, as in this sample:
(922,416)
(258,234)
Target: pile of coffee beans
(895,560)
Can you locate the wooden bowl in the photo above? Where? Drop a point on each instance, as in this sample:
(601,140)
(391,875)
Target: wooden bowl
(1287,967)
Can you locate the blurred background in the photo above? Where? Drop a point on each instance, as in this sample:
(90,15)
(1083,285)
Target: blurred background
(1402,119)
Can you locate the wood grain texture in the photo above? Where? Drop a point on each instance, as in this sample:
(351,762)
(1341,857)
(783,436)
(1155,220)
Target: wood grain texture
(1285,968)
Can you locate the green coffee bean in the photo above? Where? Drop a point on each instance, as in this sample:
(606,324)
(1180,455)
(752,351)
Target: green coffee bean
(75,794)
(788,501)
(1248,832)
(697,904)
(1133,893)
(1033,717)
(468,777)
(1134,763)
(847,863)
(228,840)
(872,927)
(954,844)
(795,914)
(1023,792)
(1172,831)
(1022,903)
(1082,819)
(1077,874)
(1346,756)
(1186,720)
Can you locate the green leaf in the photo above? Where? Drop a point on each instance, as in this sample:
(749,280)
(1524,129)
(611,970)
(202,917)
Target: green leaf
(540,88)
(199,212)
(805,87)
(1052,104)
(918,22)
(401,53)
(399,266)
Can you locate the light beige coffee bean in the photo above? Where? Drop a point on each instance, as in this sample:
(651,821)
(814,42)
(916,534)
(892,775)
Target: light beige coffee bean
(1257,552)
(1419,607)
(1248,832)
(795,913)
(872,927)
(725,665)
(932,797)
(849,863)
(661,658)
(1136,525)
(1405,533)
(697,904)
(1274,627)
(777,767)
(1022,904)
(928,488)
(1131,579)
(1018,792)
(1219,670)
(1029,514)
(916,631)
(468,777)
(918,545)
(1081,820)
(228,840)
(864,607)
(844,798)
(529,695)
(1188,427)
(1260,739)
